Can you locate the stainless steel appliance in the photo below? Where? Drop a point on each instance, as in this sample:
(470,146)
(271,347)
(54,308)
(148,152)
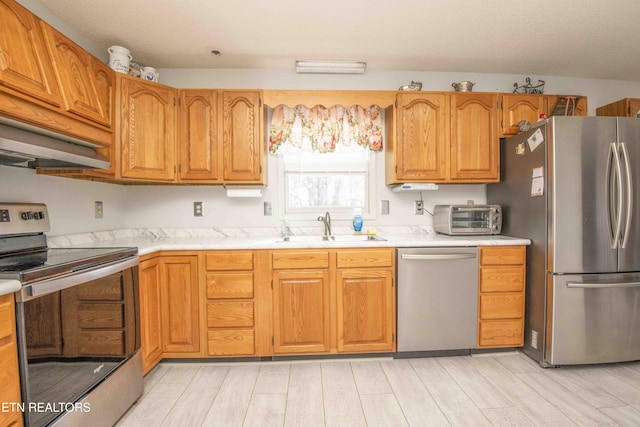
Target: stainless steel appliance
(437,299)
(78,323)
(467,219)
(571,185)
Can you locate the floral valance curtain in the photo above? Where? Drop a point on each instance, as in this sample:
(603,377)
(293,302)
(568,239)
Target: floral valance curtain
(325,129)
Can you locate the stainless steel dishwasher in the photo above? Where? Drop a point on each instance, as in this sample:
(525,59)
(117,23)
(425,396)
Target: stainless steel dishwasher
(437,299)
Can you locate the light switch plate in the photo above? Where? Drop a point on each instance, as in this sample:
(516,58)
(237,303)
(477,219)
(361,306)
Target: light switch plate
(268,209)
(384,207)
(98,209)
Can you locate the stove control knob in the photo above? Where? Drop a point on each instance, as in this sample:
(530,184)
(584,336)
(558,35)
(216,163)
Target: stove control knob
(38,215)
(26,215)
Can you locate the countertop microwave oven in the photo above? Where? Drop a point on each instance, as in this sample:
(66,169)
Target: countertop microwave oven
(467,219)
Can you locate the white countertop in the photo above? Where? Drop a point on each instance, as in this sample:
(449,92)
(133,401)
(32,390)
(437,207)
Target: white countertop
(194,239)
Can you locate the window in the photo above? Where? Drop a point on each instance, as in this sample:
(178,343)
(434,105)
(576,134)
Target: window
(326,159)
(314,183)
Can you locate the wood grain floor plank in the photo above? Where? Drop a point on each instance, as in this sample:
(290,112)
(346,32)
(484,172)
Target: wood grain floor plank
(587,390)
(451,399)
(370,378)
(484,394)
(531,404)
(507,417)
(342,405)
(157,404)
(417,404)
(382,410)
(195,402)
(273,379)
(623,415)
(230,405)
(305,404)
(518,363)
(266,410)
(614,385)
(572,405)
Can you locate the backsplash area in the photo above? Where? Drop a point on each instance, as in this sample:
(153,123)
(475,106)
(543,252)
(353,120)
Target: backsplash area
(71,204)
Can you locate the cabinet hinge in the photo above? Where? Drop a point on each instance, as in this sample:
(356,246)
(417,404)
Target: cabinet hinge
(271,284)
(629,112)
(502,123)
(396,168)
(393,337)
(175,169)
(273,341)
(393,282)
(260,168)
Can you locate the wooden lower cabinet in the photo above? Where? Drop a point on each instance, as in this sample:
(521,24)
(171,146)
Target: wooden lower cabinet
(230,305)
(365,310)
(150,318)
(179,304)
(501,297)
(9,373)
(301,312)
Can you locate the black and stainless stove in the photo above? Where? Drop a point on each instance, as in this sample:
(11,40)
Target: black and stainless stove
(77,318)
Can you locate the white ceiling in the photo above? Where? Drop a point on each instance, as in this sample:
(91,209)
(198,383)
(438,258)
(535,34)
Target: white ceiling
(573,38)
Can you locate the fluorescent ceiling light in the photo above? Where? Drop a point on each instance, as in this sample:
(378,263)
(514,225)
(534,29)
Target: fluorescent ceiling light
(331,67)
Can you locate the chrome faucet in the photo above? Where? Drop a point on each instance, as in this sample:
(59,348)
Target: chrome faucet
(326,219)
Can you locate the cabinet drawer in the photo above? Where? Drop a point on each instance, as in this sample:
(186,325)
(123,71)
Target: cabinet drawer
(300,259)
(229,285)
(230,342)
(501,279)
(229,314)
(501,333)
(229,260)
(502,306)
(365,258)
(502,255)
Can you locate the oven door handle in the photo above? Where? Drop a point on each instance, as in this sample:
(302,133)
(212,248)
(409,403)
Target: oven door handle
(34,290)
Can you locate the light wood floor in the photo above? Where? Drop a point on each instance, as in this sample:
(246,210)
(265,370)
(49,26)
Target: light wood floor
(499,390)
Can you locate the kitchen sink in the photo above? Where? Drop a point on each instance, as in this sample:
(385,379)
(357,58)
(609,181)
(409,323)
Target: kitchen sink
(336,238)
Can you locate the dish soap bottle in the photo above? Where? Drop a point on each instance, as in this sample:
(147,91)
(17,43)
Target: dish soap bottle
(286,230)
(357,221)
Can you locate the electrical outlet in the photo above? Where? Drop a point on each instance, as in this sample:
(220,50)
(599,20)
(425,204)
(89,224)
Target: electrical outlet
(384,207)
(418,207)
(268,209)
(198,208)
(97,207)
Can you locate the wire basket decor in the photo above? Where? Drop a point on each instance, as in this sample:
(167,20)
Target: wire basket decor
(528,88)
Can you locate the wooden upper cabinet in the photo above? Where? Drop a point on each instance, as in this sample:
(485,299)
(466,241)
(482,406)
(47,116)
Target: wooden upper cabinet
(518,107)
(557,105)
(148,134)
(243,150)
(420,138)
(25,66)
(79,77)
(199,148)
(627,107)
(475,149)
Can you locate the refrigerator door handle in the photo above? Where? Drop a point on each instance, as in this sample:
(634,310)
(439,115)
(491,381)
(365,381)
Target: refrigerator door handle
(614,232)
(595,285)
(629,193)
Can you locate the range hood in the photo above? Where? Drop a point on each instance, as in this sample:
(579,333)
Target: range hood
(23,148)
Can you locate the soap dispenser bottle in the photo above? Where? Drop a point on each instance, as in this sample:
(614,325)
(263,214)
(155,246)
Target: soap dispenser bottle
(357,221)
(286,229)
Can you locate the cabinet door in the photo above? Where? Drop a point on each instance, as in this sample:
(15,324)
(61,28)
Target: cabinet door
(150,320)
(634,108)
(179,304)
(301,322)
(148,136)
(517,107)
(198,136)
(243,149)
(9,374)
(421,137)
(551,104)
(365,309)
(475,145)
(25,65)
(74,70)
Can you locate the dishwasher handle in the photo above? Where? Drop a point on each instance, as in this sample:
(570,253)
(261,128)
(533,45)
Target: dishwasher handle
(437,256)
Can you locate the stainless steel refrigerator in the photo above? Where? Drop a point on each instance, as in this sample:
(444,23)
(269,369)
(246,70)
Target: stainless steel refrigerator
(572,186)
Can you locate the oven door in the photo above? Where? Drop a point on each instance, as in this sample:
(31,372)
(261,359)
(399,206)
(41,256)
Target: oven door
(74,332)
